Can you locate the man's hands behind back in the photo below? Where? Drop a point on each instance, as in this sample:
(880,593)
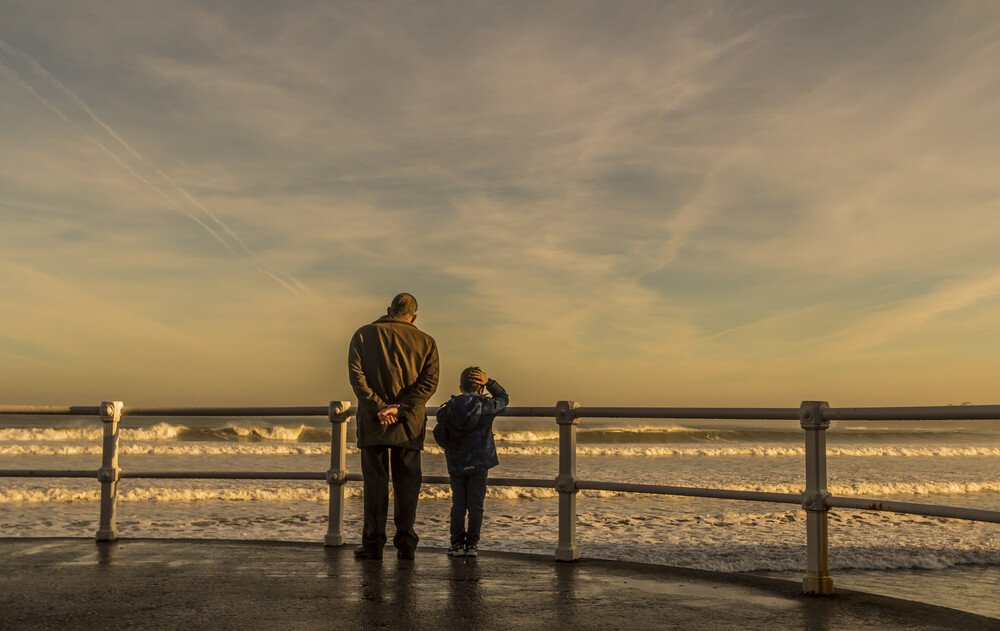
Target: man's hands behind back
(388,415)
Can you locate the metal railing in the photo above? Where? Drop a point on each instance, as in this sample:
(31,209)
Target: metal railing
(814,418)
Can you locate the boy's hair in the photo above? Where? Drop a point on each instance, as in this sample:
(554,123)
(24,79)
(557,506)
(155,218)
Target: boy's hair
(465,381)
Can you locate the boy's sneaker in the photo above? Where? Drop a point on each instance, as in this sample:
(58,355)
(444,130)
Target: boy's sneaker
(471,550)
(457,550)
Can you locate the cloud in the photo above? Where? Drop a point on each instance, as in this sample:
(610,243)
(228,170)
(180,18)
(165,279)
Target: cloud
(221,232)
(694,194)
(910,317)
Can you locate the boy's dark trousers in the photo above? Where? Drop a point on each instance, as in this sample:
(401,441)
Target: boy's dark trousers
(468,492)
(376,465)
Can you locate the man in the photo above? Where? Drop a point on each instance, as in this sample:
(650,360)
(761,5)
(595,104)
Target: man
(394,371)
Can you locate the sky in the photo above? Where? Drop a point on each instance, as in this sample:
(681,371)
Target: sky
(644,203)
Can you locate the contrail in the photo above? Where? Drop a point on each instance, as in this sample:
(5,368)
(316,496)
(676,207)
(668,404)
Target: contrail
(10,74)
(295,287)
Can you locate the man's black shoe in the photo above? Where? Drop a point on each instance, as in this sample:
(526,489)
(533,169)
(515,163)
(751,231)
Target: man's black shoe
(362,552)
(406,555)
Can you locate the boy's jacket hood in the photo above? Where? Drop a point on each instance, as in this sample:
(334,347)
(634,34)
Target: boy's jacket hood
(462,410)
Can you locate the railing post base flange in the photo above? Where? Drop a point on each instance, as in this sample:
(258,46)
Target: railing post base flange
(817,586)
(332,541)
(106,535)
(568,554)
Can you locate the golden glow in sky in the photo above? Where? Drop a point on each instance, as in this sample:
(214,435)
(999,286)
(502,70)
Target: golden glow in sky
(717,203)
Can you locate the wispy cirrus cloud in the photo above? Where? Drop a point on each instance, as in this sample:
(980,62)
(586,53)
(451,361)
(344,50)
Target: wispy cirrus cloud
(213,225)
(694,194)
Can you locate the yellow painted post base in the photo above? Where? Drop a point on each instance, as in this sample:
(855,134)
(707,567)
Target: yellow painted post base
(107,535)
(568,554)
(817,585)
(334,540)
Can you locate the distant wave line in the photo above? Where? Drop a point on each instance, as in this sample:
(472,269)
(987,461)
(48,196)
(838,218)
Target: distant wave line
(136,492)
(315,449)
(624,436)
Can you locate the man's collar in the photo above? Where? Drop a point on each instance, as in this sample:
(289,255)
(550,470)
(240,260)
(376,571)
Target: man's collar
(400,318)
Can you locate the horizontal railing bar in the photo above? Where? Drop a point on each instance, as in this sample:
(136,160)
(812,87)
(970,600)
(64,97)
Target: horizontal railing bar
(306,475)
(923,413)
(294,411)
(251,475)
(911,508)
(47,473)
(656,489)
(529,412)
(225,475)
(929,413)
(64,410)
(307,410)
(539,483)
(782,414)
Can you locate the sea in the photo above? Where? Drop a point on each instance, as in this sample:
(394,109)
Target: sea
(950,562)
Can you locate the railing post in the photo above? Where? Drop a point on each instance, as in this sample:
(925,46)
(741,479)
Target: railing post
(111,416)
(566,481)
(339,413)
(812,419)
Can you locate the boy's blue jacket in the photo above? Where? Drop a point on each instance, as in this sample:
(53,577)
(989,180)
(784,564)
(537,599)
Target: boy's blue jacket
(465,429)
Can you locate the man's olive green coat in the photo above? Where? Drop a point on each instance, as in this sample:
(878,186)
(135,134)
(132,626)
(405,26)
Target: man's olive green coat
(391,361)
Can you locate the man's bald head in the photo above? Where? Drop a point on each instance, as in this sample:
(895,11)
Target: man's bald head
(404,305)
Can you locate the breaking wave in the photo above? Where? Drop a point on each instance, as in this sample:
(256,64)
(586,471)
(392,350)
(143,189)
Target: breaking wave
(208,448)
(242,432)
(129,491)
(233,432)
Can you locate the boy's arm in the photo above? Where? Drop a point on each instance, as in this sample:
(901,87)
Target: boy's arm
(500,398)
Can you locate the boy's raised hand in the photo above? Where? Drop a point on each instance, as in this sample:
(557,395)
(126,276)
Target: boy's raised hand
(479,377)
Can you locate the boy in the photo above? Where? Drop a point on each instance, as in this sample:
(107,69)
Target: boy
(465,430)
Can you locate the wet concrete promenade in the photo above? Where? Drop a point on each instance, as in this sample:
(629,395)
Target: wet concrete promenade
(171,584)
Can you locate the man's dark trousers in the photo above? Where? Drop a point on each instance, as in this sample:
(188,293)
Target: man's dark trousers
(404,465)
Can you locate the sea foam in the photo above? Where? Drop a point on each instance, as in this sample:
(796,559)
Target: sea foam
(272,448)
(134,491)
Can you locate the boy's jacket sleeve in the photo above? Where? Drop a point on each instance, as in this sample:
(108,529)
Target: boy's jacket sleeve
(499,399)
